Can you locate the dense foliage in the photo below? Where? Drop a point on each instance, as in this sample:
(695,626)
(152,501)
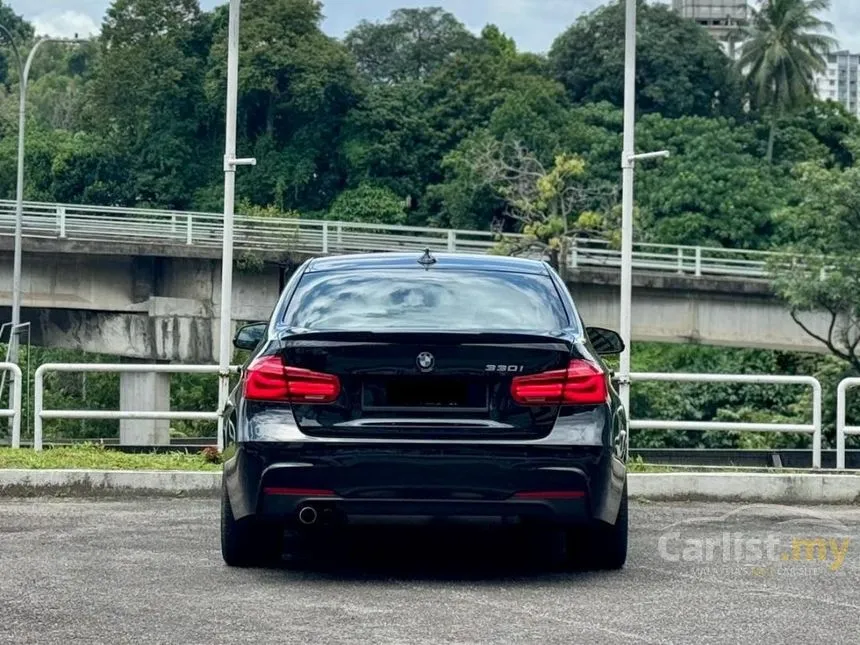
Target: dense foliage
(388,114)
(417,120)
(822,228)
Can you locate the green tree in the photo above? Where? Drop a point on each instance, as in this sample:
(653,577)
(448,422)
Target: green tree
(462,96)
(830,124)
(411,45)
(296,86)
(57,86)
(783,50)
(68,167)
(547,200)
(462,99)
(147,95)
(823,278)
(22,32)
(399,134)
(681,69)
(387,139)
(701,197)
(545,125)
(368,203)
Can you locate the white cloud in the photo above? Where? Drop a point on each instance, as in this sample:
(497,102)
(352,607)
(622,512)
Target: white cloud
(65,24)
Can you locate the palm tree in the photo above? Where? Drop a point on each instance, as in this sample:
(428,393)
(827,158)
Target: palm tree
(783,50)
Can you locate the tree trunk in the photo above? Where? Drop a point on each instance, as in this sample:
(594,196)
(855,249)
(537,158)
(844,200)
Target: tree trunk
(553,259)
(270,117)
(562,260)
(770,138)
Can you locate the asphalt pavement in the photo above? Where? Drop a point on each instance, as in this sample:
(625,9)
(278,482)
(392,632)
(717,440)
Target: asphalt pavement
(149,571)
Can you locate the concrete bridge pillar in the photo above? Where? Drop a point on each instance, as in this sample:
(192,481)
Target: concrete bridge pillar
(144,391)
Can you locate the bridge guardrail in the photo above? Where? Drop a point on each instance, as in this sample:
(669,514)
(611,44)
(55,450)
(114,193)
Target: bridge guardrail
(40,413)
(730,426)
(14,410)
(159,226)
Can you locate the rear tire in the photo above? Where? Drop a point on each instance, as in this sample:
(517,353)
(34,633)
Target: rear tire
(600,546)
(246,542)
(609,541)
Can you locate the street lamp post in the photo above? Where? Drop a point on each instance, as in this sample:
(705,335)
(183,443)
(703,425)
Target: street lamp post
(628,160)
(230,163)
(23,76)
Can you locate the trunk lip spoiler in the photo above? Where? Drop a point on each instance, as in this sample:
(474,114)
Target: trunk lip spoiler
(378,335)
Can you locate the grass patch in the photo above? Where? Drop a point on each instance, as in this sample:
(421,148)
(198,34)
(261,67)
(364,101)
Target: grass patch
(100,458)
(639,467)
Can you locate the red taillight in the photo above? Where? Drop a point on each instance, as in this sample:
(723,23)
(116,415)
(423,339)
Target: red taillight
(265,380)
(268,379)
(582,383)
(306,386)
(586,383)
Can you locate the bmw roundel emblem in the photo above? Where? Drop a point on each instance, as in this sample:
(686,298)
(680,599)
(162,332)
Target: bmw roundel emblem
(425,361)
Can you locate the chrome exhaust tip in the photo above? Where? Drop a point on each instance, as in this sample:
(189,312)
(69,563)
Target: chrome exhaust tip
(307,515)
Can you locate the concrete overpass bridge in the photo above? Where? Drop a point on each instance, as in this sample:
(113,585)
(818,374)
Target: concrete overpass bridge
(144,284)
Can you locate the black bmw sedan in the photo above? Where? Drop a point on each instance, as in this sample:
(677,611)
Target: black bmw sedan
(424,387)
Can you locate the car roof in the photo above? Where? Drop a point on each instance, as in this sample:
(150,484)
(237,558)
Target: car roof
(444,262)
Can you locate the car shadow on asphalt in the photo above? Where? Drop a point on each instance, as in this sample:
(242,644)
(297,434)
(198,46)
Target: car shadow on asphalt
(443,554)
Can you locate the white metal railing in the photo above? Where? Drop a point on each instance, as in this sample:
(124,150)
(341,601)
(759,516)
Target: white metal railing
(41,414)
(813,428)
(841,428)
(14,410)
(158,226)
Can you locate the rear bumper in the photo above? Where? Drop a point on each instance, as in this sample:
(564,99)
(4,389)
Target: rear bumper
(338,510)
(565,486)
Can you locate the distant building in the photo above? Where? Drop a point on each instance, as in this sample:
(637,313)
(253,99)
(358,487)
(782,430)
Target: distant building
(840,83)
(723,17)
(720,17)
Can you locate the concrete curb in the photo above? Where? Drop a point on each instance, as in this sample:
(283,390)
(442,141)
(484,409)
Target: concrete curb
(29,483)
(795,488)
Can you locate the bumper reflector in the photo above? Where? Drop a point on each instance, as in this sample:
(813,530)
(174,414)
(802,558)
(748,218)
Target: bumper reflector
(309,492)
(550,494)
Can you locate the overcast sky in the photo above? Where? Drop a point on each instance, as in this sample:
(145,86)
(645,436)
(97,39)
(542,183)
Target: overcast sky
(532,23)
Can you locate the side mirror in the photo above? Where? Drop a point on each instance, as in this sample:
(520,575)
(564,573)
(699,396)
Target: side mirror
(249,336)
(605,341)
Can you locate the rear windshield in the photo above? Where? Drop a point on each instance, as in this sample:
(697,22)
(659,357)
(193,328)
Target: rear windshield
(434,300)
